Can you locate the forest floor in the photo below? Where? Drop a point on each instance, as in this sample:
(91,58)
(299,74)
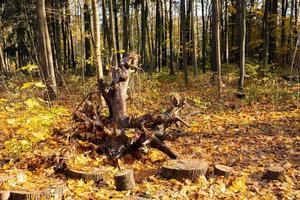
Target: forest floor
(247,134)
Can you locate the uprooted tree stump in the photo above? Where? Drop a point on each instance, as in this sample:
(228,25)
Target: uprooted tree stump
(222,170)
(124,180)
(110,132)
(274,173)
(184,169)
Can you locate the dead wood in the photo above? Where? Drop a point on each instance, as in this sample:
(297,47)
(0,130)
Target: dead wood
(124,180)
(273,173)
(85,176)
(109,133)
(4,195)
(184,169)
(222,170)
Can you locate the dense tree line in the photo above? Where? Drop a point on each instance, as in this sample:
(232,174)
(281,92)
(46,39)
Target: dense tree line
(185,35)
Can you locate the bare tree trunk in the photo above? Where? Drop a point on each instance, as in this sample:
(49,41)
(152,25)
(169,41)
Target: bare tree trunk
(194,39)
(242,42)
(87,36)
(115,9)
(125,7)
(172,69)
(45,51)
(97,40)
(144,34)
(113,35)
(204,36)
(106,30)
(2,61)
(217,44)
(226,33)
(184,37)
(115,94)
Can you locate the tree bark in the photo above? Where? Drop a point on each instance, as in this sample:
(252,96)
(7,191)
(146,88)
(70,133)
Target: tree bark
(45,51)
(97,40)
(144,34)
(183,35)
(125,23)
(273,30)
(204,36)
(217,43)
(172,69)
(87,36)
(113,35)
(242,43)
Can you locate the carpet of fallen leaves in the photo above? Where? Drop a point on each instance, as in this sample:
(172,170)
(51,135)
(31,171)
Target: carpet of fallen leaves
(249,135)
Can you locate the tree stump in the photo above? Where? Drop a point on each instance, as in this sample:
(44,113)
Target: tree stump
(274,173)
(36,195)
(184,169)
(57,190)
(222,170)
(85,176)
(4,195)
(124,180)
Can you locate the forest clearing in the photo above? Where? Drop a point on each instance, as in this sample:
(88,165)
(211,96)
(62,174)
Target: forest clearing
(132,99)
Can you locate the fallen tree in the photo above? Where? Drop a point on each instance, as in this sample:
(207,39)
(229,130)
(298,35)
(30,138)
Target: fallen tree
(110,133)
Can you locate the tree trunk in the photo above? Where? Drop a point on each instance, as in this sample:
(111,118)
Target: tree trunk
(115,9)
(204,36)
(226,45)
(45,51)
(143,35)
(284,7)
(97,40)
(113,35)
(106,30)
(183,30)
(125,23)
(217,44)
(115,94)
(242,42)
(266,34)
(194,39)
(158,38)
(87,36)
(2,61)
(273,30)
(172,69)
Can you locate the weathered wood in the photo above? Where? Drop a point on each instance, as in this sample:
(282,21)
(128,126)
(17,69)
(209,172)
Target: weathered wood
(85,176)
(35,195)
(273,173)
(222,170)
(57,190)
(124,180)
(115,94)
(184,169)
(4,195)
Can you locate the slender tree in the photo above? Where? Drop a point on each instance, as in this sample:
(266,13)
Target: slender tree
(204,36)
(87,38)
(97,40)
(171,63)
(184,35)
(113,35)
(45,51)
(242,42)
(217,43)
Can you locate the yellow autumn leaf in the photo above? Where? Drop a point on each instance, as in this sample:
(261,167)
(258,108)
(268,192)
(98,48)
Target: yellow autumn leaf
(39,84)
(239,185)
(27,85)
